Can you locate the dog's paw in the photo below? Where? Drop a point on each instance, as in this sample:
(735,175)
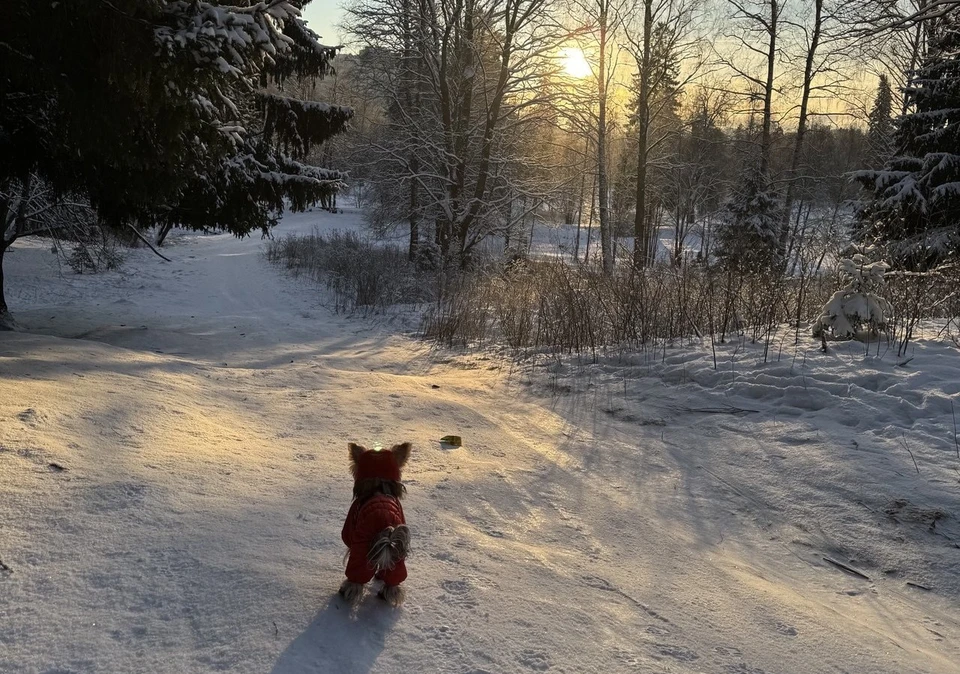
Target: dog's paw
(392,594)
(351,591)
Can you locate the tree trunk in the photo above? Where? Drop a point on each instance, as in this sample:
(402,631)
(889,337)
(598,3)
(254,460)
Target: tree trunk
(606,239)
(768,92)
(917,49)
(443,238)
(576,245)
(162,234)
(11,227)
(593,212)
(801,126)
(6,320)
(640,234)
(583,186)
(411,67)
(414,221)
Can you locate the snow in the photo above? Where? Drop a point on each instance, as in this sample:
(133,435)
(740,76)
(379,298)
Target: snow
(649,512)
(550,240)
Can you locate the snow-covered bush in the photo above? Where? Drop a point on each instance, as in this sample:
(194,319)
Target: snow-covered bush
(856,311)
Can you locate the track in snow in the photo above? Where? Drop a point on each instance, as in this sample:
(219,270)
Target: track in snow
(202,420)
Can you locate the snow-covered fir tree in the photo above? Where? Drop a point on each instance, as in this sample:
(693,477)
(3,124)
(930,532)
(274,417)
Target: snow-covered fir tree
(267,135)
(748,233)
(856,311)
(880,124)
(159,112)
(914,209)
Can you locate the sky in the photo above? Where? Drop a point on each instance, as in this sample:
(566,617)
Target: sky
(322,16)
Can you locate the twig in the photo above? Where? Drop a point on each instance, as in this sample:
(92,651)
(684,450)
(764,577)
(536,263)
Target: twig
(956,443)
(4,567)
(845,567)
(727,409)
(918,585)
(276,630)
(149,245)
(903,438)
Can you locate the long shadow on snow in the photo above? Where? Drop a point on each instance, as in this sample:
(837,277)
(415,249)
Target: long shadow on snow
(357,350)
(339,639)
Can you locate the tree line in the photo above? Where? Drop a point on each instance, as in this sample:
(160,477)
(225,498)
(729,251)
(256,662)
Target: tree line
(758,132)
(748,128)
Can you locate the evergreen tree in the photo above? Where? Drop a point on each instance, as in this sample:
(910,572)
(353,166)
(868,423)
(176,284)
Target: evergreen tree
(157,112)
(881,128)
(748,234)
(916,196)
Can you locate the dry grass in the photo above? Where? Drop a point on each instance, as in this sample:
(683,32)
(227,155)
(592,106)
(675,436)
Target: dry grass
(361,276)
(555,307)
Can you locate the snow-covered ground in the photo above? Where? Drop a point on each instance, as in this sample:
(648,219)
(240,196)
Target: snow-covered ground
(549,240)
(174,476)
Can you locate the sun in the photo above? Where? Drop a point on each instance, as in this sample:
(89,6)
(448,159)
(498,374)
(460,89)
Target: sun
(575,64)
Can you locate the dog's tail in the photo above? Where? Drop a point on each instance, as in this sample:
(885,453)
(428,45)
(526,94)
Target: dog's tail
(389,547)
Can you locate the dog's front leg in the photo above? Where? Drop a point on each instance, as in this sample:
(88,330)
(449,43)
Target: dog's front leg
(351,591)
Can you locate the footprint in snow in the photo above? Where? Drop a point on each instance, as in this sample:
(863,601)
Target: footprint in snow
(677,652)
(116,496)
(536,660)
(598,583)
(786,630)
(31,417)
(743,668)
(441,636)
(458,593)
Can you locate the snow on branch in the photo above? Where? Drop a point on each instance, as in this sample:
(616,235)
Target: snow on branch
(856,311)
(298,125)
(267,39)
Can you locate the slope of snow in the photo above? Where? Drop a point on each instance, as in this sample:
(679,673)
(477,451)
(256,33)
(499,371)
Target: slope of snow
(173,466)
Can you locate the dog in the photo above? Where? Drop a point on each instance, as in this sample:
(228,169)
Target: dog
(375,531)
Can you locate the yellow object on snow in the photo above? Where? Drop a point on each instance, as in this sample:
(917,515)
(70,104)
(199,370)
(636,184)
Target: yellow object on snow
(454,440)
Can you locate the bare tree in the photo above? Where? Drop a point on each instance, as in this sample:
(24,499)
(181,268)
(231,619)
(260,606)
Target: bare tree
(759,23)
(600,33)
(659,45)
(891,35)
(472,81)
(824,44)
(698,169)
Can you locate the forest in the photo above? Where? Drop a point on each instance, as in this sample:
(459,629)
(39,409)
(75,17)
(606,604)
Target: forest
(723,153)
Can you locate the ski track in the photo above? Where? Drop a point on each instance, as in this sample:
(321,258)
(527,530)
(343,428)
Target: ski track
(596,520)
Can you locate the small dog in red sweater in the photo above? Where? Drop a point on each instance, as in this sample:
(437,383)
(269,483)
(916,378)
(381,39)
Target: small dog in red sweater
(375,531)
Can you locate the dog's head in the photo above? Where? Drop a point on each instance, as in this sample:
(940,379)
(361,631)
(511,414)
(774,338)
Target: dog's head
(378,470)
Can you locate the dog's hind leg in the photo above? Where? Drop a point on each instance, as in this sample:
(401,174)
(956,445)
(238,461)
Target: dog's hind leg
(351,591)
(392,594)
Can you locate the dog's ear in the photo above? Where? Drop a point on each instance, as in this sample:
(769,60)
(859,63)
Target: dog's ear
(355,452)
(401,453)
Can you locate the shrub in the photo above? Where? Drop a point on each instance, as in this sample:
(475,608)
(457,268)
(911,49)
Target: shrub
(360,275)
(856,311)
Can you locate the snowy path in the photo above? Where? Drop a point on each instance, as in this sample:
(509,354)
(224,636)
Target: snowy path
(587,526)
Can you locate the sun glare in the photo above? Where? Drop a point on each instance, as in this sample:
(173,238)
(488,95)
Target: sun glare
(575,63)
